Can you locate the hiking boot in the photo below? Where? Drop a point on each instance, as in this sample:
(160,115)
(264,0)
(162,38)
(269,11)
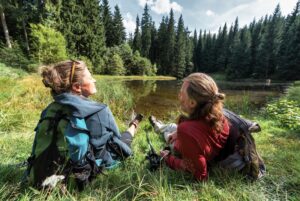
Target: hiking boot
(254,128)
(152,120)
(156,124)
(136,120)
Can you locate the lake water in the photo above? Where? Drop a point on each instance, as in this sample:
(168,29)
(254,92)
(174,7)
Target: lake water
(160,97)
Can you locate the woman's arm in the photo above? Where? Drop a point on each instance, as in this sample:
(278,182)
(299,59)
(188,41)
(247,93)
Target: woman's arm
(188,147)
(172,161)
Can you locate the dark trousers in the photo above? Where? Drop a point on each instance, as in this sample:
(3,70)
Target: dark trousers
(127,138)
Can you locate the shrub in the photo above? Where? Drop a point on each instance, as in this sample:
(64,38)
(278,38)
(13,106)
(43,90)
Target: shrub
(48,45)
(286,112)
(115,65)
(133,64)
(141,66)
(14,57)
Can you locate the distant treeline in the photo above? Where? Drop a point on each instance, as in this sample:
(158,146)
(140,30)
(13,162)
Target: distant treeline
(48,31)
(266,48)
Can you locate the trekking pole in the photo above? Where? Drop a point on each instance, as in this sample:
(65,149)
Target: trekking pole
(149,143)
(152,156)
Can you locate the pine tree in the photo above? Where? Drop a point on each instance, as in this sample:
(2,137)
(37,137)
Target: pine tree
(153,52)
(50,13)
(199,59)
(83,29)
(255,31)
(207,53)
(137,41)
(119,34)
(94,30)
(195,42)
(170,45)
(292,68)
(130,40)
(240,59)
(189,50)
(213,54)
(179,53)
(286,44)
(107,20)
(221,48)
(231,36)
(270,46)
(146,32)
(162,47)
(72,25)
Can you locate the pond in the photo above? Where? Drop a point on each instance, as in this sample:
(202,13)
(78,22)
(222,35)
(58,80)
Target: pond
(159,97)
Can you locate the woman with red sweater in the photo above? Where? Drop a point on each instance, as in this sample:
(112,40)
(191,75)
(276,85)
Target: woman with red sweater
(202,132)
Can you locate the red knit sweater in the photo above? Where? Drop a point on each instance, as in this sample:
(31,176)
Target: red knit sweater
(197,144)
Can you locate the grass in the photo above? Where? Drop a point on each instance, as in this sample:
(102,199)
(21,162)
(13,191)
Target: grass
(22,100)
(135,77)
(11,72)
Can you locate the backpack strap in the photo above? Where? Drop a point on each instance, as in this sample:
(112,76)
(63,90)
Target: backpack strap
(54,118)
(241,123)
(50,161)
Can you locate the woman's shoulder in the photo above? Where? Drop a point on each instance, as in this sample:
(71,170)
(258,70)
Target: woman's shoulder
(192,125)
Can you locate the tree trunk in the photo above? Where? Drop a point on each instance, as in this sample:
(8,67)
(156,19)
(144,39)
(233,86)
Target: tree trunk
(5,29)
(26,36)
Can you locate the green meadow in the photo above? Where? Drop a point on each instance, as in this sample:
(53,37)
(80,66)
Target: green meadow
(23,96)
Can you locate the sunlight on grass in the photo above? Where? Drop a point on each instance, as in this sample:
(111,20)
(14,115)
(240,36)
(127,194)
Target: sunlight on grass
(20,109)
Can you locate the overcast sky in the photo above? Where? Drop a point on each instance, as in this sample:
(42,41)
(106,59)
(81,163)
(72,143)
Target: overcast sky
(201,14)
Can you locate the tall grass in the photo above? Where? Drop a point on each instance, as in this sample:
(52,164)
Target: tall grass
(115,95)
(133,181)
(240,104)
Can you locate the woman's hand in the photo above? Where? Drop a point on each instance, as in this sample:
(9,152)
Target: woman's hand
(164,153)
(172,137)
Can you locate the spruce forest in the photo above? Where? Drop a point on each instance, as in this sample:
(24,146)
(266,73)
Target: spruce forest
(36,32)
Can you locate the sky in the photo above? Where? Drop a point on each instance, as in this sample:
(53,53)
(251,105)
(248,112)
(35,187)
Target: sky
(201,14)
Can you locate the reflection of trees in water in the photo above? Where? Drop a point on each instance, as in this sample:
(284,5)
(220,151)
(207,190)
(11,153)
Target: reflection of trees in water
(141,88)
(161,100)
(159,97)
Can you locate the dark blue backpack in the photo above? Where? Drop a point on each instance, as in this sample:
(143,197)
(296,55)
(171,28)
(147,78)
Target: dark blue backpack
(240,151)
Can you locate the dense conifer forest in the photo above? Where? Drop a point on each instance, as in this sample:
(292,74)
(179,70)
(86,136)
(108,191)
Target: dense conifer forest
(35,32)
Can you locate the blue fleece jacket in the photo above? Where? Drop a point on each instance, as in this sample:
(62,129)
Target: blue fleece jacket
(100,123)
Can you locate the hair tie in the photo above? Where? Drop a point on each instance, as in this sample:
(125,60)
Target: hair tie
(215,97)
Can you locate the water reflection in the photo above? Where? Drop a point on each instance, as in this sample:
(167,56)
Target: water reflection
(159,97)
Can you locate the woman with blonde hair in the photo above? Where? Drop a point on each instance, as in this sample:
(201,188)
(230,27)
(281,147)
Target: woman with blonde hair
(202,132)
(75,135)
